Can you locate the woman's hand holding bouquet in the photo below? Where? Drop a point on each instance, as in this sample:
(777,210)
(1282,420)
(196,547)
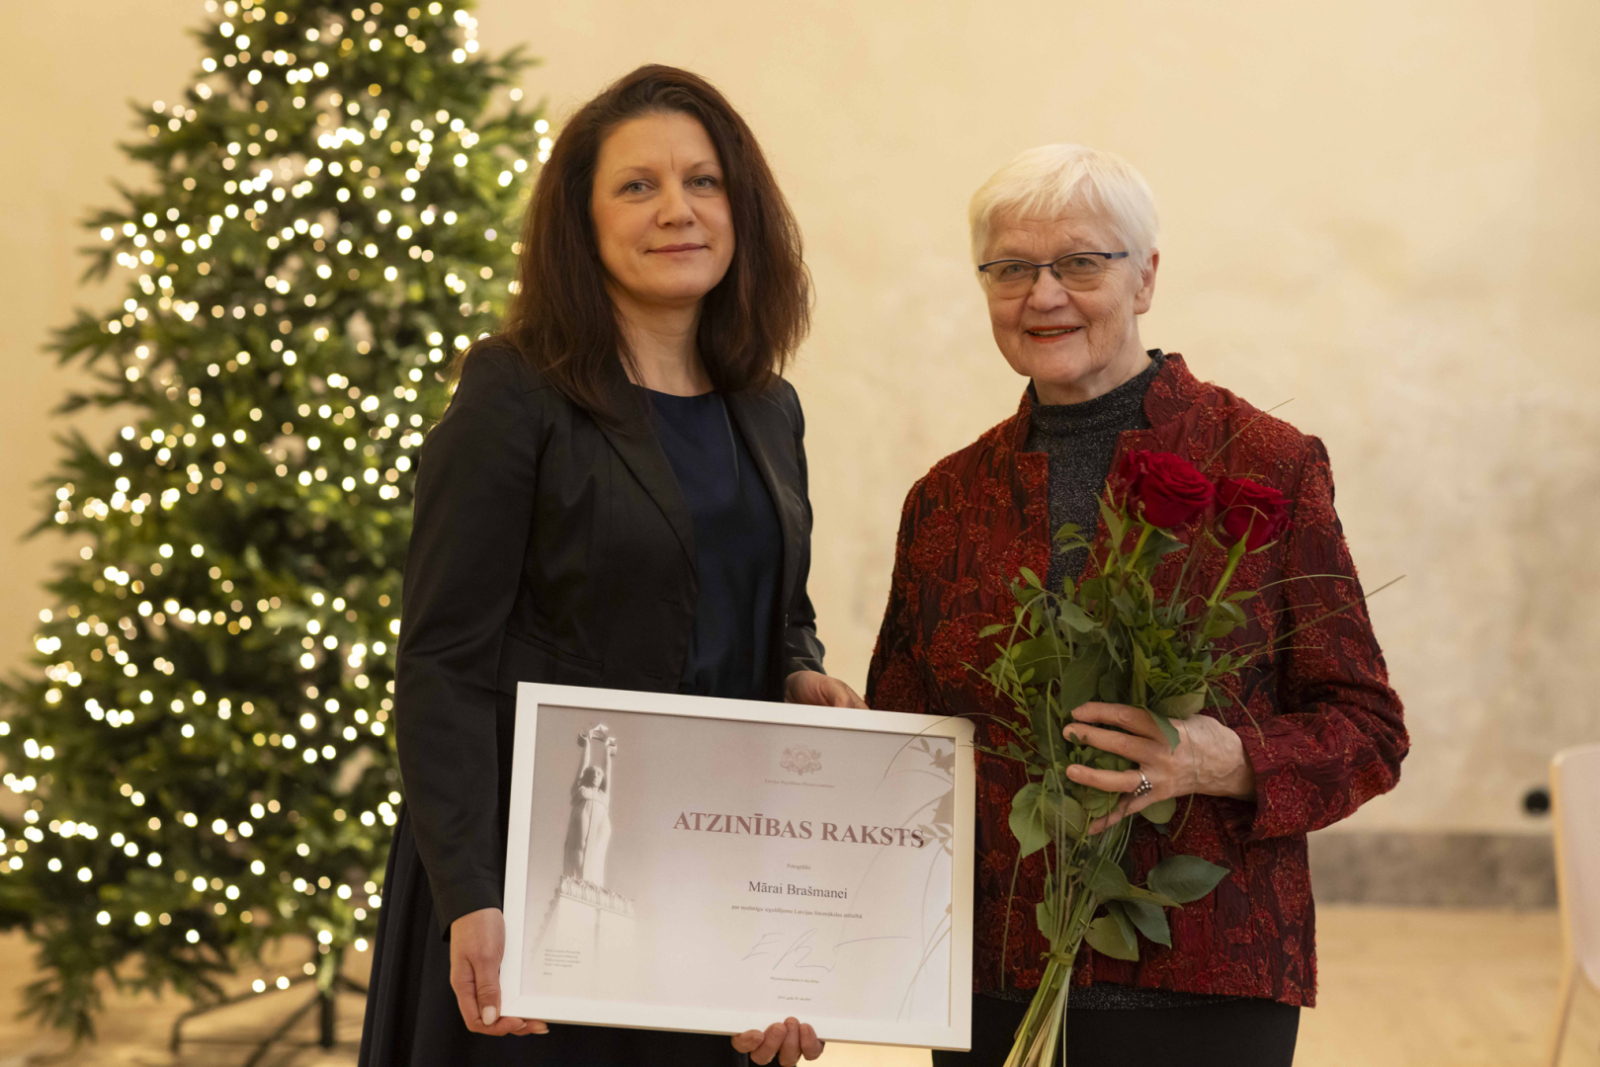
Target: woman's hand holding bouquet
(1108,679)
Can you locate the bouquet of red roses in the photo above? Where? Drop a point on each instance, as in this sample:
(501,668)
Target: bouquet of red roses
(1112,637)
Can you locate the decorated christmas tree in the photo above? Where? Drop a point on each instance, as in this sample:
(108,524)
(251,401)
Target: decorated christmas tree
(203,752)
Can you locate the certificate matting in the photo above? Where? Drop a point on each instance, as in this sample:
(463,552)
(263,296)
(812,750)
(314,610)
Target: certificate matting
(742,862)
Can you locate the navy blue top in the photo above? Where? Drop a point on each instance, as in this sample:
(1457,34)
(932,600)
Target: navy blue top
(738,546)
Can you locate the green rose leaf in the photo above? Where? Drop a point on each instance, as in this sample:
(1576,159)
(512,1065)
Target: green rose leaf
(1186,878)
(1168,731)
(1141,666)
(1098,802)
(1063,811)
(1227,618)
(1045,914)
(1031,578)
(1116,526)
(1125,607)
(1075,617)
(1108,761)
(1046,652)
(1113,936)
(1161,811)
(1150,919)
(1078,680)
(990,631)
(1182,706)
(1158,544)
(1106,880)
(1046,728)
(1027,821)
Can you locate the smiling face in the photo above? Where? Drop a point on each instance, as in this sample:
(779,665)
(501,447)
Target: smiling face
(1074,344)
(661,214)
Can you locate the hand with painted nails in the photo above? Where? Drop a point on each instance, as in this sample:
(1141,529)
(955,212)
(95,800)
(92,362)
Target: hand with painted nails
(477,942)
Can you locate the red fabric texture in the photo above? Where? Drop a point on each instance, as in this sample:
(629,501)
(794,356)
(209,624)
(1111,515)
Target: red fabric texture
(1321,727)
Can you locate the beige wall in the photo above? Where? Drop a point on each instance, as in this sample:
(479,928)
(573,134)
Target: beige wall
(1384,211)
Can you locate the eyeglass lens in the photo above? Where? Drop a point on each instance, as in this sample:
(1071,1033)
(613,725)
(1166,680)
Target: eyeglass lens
(1014,276)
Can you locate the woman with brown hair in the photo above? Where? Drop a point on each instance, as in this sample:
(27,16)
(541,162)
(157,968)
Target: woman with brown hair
(615,497)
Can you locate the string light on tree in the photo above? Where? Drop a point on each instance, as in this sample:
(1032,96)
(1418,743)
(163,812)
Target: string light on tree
(203,756)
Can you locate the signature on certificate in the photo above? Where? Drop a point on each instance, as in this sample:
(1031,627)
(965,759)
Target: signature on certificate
(797,951)
(793,952)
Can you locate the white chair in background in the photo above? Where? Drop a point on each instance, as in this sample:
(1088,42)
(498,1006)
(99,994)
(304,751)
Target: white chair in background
(1575,804)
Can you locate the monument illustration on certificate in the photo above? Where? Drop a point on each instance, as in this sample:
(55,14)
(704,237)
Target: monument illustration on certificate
(690,863)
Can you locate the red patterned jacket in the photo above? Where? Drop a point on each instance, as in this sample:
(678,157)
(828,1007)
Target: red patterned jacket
(1320,725)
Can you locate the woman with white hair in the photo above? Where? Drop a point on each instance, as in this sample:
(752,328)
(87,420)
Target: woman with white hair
(1064,238)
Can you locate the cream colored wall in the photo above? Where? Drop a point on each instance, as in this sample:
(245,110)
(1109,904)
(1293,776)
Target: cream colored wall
(1383,211)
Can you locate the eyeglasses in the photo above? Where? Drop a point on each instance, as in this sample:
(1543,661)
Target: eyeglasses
(1075,270)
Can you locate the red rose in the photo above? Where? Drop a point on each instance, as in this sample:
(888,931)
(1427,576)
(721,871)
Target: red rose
(1166,488)
(1256,513)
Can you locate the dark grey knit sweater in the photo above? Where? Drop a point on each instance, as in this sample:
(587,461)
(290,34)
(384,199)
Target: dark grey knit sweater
(1081,440)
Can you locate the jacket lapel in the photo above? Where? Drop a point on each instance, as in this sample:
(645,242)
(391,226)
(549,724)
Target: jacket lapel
(770,438)
(636,442)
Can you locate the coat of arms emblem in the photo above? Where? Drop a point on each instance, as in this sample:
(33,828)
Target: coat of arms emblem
(801,760)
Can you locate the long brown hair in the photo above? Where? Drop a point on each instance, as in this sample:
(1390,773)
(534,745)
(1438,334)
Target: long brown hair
(561,318)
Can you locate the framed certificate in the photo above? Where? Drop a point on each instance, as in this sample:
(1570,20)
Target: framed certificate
(689,863)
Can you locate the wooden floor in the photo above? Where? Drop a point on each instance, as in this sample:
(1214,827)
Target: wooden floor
(1400,988)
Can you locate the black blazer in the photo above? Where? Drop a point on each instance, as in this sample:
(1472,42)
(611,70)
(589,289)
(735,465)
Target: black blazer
(549,548)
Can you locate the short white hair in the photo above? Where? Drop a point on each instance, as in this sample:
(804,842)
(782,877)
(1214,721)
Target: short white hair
(1057,179)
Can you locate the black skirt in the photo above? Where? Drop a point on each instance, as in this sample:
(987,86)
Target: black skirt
(413,1021)
(1247,1032)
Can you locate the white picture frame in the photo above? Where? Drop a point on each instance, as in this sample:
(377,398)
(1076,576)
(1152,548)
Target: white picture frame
(676,959)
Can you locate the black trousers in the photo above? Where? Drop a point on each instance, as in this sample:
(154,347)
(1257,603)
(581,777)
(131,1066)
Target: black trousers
(1232,1033)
